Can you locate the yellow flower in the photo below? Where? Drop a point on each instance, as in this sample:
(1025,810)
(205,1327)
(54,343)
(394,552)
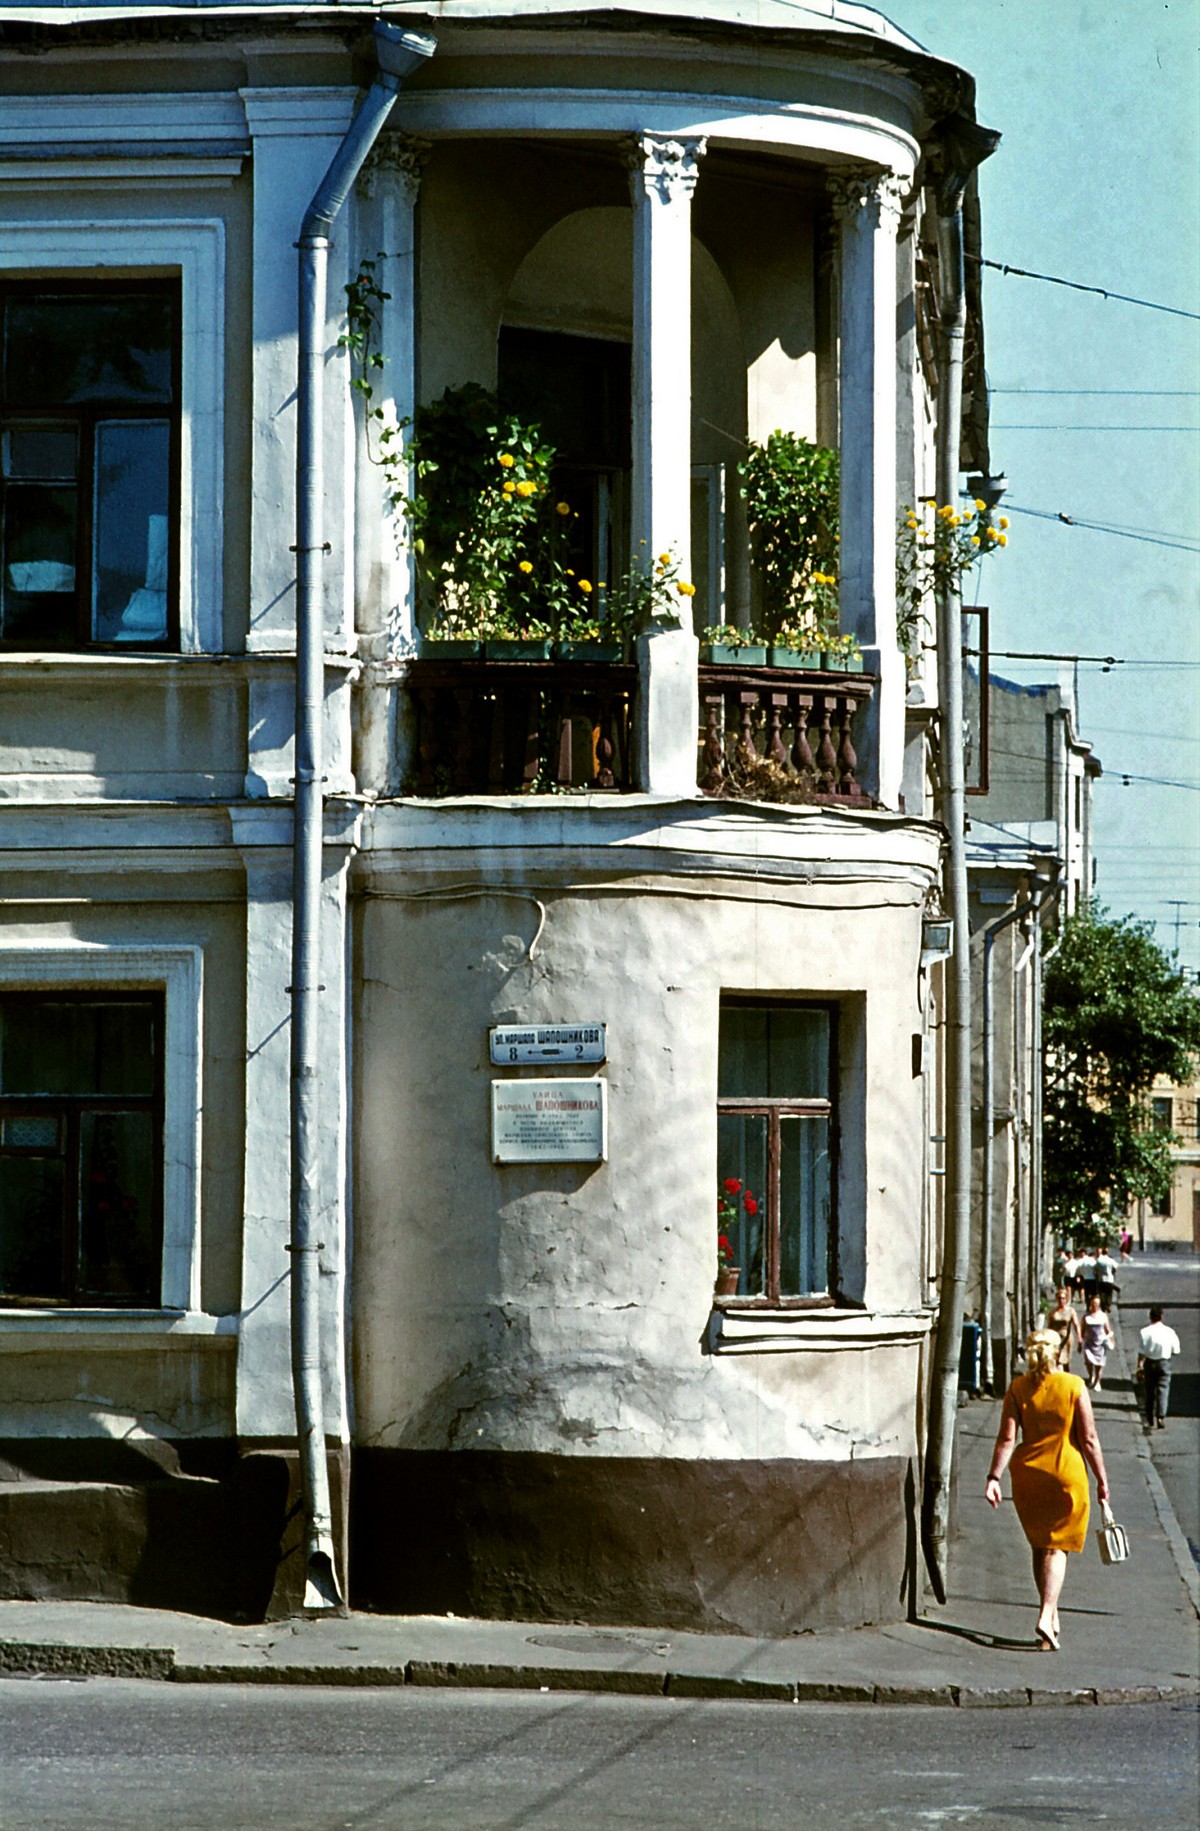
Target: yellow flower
(1002,540)
(684,589)
(562,508)
(981,506)
(664,559)
(508,489)
(1003,521)
(506,458)
(585,585)
(993,533)
(526,565)
(526,489)
(974,540)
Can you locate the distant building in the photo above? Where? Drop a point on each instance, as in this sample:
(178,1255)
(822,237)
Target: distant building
(1030,865)
(1174,1223)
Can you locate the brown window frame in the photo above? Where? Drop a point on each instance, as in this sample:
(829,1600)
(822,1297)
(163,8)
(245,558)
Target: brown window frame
(83,418)
(70,1110)
(774,1110)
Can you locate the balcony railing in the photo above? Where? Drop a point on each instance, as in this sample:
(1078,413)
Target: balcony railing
(530,727)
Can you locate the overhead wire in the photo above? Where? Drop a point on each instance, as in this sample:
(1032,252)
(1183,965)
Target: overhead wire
(1105,292)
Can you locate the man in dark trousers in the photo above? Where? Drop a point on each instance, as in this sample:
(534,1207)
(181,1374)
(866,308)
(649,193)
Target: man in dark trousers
(1157,1347)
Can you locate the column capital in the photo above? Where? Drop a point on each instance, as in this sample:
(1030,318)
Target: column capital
(664,166)
(861,189)
(395,159)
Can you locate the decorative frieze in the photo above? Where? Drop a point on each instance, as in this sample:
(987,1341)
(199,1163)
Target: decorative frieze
(867,188)
(665,167)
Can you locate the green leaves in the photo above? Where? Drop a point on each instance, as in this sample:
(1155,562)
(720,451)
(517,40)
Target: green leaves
(790,489)
(1118,1013)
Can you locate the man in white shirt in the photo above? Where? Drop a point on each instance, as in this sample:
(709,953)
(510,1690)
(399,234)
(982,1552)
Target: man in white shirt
(1157,1347)
(1106,1278)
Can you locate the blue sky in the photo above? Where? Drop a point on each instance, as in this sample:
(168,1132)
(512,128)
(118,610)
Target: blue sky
(1095,403)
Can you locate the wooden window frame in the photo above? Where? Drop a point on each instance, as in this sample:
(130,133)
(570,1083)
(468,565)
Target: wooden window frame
(70,1110)
(83,417)
(774,1110)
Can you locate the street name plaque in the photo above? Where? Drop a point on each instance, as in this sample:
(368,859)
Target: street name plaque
(515,1044)
(550,1121)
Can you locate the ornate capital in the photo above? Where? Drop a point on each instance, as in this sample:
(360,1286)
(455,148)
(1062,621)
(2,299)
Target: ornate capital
(865,189)
(395,160)
(664,167)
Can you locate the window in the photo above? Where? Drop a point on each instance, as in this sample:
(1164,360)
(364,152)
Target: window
(89,437)
(1161,1113)
(776,1138)
(81,1151)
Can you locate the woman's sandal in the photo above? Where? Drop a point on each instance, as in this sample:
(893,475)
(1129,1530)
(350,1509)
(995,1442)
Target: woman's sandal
(1047,1642)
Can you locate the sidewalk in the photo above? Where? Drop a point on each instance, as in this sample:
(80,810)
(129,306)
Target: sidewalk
(1129,1633)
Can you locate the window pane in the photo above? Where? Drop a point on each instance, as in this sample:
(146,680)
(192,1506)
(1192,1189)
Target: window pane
(116,1200)
(779,1052)
(37,566)
(45,451)
(129,530)
(742,1159)
(31,1228)
(30,1132)
(803,1206)
(53,1046)
(67,348)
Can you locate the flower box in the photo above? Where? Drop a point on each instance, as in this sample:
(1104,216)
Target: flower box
(748,655)
(796,658)
(515,648)
(589,651)
(843,664)
(450,648)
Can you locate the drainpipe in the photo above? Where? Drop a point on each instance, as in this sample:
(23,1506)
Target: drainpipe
(1037,1225)
(991,935)
(398,53)
(960,146)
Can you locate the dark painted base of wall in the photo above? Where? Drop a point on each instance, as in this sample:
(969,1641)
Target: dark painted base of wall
(210,1527)
(763,1548)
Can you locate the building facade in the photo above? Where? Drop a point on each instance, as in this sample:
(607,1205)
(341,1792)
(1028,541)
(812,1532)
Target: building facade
(717,221)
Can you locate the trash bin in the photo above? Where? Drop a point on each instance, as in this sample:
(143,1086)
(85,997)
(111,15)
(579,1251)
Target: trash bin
(970,1361)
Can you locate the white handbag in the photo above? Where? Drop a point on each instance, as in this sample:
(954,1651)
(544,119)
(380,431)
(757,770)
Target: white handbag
(1112,1539)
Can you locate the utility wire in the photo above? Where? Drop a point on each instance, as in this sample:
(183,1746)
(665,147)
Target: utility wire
(1052,279)
(1183,394)
(1182,543)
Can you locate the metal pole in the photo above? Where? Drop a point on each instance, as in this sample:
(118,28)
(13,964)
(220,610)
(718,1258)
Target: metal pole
(962,145)
(398,52)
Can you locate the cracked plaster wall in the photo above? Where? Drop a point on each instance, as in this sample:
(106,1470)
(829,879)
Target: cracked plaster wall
(561,1308)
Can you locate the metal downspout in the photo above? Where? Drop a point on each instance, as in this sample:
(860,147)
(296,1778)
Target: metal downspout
(1037,1224)
(988,1102)
(397,52)
(961,146)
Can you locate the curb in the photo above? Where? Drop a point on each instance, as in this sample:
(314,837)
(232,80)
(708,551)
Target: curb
(33,1659)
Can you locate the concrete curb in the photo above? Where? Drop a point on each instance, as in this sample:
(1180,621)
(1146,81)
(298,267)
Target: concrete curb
(40,1659)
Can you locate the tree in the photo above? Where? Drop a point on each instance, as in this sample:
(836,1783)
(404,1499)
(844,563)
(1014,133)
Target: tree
(1118,1012)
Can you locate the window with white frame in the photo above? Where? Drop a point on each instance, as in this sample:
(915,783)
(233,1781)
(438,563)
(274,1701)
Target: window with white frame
(89,462)
(99,1127)
(776,1077)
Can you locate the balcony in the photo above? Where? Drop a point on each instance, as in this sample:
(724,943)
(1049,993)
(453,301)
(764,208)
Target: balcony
(487,727)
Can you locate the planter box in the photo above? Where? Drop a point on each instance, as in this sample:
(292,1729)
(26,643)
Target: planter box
(515,648)
(796,658)
(456,648)
(589,651)
(751,656)
(843,664)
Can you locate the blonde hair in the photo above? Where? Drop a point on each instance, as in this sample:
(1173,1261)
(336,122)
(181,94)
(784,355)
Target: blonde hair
(1041,1352)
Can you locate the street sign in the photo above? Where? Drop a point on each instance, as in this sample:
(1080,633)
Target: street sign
(514,1044)
(545,1121)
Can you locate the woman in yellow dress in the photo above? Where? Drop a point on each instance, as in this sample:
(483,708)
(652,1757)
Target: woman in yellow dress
(1049,1469)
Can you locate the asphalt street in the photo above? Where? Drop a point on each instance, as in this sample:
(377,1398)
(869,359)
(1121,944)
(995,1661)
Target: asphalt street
(1173,1280)
(126,1755)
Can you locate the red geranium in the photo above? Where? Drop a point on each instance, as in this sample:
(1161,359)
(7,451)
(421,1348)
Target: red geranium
(732,1185)
(751,1203)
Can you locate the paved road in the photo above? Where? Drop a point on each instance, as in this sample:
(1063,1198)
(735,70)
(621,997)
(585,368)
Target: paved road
(1174,1282)
(120,1755)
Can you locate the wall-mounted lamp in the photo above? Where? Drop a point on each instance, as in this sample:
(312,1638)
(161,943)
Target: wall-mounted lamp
(988,490)
(937,939)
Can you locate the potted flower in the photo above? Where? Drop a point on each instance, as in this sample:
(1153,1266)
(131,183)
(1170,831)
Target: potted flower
(841,655)
(798,644)
(732,1198)
(730,645)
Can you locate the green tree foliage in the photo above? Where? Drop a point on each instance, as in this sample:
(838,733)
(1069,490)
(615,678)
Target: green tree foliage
(1118,1012)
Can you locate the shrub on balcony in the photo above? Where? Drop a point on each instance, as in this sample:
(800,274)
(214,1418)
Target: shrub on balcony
(790,488)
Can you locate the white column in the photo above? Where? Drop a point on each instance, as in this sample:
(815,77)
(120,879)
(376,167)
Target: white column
(867,206)
(663,177)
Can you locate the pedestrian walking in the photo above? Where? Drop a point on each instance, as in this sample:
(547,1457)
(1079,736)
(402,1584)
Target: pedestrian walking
(1098,1338)
(1084,1280)
(1126,1242)
(1106,1278)
(1157,1347)
(1065,1323)
(1059,1442)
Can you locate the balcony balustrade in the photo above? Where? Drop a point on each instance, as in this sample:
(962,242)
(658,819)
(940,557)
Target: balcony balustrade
(541,727)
